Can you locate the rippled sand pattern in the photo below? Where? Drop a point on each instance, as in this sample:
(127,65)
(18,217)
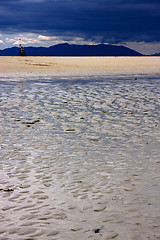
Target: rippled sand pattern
(79,158)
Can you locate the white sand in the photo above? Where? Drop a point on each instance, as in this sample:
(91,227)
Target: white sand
(77,65)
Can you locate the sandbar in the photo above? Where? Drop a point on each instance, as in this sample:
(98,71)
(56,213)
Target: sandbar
(77,65)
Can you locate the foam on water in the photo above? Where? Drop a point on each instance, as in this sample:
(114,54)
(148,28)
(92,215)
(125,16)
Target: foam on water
(79,158)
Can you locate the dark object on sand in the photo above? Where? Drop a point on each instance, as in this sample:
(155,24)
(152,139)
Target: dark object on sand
(96,230)
(31,122)
(21,51)
(6,190)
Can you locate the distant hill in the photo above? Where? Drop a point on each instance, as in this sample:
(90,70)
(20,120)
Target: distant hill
(66,49)
(156,54)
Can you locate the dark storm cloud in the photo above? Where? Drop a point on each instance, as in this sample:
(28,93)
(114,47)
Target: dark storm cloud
(112,20)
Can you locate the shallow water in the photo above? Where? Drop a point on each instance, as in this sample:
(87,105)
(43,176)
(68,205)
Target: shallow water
(80,154)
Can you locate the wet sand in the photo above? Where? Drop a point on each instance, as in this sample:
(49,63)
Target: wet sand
(43,66)
(79,154)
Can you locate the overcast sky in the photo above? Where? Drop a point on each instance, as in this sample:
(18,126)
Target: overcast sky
(134,23)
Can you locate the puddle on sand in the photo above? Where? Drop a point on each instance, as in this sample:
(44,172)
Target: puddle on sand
(79,158)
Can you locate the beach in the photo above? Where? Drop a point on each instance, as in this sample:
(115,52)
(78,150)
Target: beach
(79,148)
(78,65)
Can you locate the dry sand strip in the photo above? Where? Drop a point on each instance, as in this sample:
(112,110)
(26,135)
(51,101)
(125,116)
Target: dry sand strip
(43,66)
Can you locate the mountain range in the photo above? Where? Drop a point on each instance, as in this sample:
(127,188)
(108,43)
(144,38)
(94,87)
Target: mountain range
(156,54)
(66,49)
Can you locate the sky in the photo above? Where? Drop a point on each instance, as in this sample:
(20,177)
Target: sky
(132,23)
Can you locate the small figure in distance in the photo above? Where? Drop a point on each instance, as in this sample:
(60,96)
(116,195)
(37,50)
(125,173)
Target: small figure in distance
(21,51)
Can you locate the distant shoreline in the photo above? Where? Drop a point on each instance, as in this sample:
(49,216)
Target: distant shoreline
(47,66)
(70,50)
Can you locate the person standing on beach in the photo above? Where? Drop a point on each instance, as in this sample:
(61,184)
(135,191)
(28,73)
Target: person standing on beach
(21,51)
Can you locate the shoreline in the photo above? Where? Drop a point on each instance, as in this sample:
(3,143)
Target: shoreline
(56,66)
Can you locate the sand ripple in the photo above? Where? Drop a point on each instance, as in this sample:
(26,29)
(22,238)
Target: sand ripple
(79,158)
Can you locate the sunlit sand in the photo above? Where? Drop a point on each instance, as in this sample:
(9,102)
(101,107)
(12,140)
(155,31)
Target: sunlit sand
(78,65)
